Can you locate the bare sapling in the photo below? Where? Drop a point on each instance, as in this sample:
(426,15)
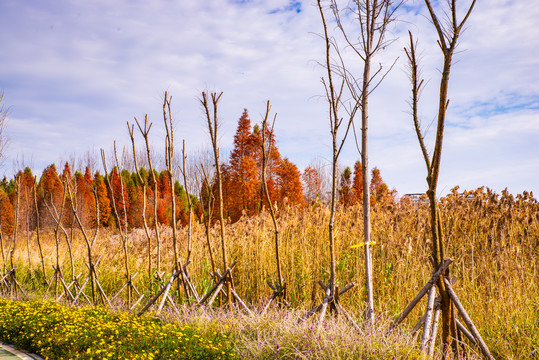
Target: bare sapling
(179,266)
(38,231)
(121,223)
(145,131)
(3,133)
(57,217)
(2,251)
(373,18)
(16,223)
(144,182)
(207,202)
(448,33)
(211,117)
(169,156)
(279,290)
(333,95)
(90,242)
(27,206)
(12,245)
(189,205)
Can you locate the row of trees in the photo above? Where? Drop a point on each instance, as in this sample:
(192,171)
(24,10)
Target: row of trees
(242,189)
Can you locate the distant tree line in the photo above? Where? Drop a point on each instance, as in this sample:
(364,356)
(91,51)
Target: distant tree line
(243,195)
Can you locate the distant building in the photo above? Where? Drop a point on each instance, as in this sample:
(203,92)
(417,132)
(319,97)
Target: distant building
(416,198)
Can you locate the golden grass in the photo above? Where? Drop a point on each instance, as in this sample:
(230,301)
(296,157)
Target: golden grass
(494,241)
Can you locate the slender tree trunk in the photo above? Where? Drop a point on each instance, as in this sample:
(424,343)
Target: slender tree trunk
(366,189)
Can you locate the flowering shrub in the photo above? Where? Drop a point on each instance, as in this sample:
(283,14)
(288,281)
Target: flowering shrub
(54,331)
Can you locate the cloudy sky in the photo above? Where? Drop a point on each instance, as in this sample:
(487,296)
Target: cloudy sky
(73,72)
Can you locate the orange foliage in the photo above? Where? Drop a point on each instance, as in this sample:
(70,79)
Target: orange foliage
(313,184)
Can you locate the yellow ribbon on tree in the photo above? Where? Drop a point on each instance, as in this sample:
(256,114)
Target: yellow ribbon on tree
(363,244)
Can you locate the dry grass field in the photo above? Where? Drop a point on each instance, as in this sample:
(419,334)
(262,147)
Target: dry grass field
(493,240)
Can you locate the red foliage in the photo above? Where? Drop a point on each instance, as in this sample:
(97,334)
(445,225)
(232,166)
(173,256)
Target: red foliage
(103,200)
(120,196)
(7,216)
(357,183)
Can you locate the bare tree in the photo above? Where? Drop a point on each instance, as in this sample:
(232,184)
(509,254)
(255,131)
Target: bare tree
(121,223)
(279,290)
(144,182)
(211,117)
(333,92)
(448,31)
(349,94)
(371,19)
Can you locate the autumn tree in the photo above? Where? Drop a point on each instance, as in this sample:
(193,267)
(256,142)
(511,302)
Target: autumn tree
(85,197)
(103,201)
(289,183)
(50,194)
(241,175)
(357,183)
(7,216)
(119,193)
(242,185)
(380,193)
(164,214)
(345,190)
(312,184)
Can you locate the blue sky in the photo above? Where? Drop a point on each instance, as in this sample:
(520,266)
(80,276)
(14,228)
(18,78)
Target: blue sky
(74,72)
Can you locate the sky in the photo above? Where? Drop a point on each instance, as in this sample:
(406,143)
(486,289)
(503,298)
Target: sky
(74,72)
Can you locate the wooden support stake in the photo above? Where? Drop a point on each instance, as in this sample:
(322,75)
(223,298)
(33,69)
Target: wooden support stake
(101,291)
(468,321)
(428,319)
(435,320)
(319,306)
(466,333)
(238,299)
(215,293)
(159,293)
(129,282)
(222,279)
(136,302)
(348,317)
(323,309)
(421,293)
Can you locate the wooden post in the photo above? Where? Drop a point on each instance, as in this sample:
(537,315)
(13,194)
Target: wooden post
(421,293)
(468,321)
(428,318)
